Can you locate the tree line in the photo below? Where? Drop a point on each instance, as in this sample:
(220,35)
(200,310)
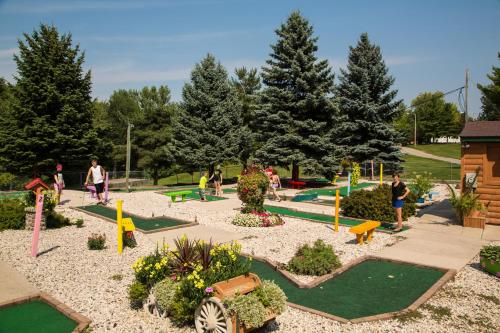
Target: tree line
(291,115)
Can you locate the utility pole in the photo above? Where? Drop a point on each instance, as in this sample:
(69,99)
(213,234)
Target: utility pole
(466,99)
(127,167)
(415,129)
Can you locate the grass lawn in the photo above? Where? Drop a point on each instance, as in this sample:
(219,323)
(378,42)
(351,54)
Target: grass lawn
(439,169)
(451,150)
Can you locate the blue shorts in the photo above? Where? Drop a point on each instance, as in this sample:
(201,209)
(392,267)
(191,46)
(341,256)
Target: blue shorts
(397,203)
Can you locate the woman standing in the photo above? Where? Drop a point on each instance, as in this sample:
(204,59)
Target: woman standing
(58,183)
(217,177)
(275,184)
(399,192)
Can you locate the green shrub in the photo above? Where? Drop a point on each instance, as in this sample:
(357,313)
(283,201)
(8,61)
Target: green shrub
(422,184)
(137,293)
(152,268)
(56,220)
(356,174)
(48,201)
(463,204)
(271,296)
(252,188)
(248,308)
(96,242)
(317,260)
(491,252)
(12,215)
(376,205)
(164,292)
(79,223)
(7,181)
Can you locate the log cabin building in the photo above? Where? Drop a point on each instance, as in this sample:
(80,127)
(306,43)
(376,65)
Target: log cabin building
(480,141)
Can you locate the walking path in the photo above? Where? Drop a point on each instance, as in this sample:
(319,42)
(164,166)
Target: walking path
(416,152)
(13,285)
(435,242)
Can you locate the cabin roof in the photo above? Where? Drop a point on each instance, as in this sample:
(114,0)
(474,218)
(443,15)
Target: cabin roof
(481,129)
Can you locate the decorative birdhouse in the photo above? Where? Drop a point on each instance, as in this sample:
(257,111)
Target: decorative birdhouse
(36,185)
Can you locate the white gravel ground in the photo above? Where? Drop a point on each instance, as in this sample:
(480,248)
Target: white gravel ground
(83,279)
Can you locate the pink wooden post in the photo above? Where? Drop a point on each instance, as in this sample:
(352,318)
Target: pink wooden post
(38,219)
(106,188)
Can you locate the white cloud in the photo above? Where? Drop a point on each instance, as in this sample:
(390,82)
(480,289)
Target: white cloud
(404,60)
(67,6)
(128,73)
(8,53)
(190,37)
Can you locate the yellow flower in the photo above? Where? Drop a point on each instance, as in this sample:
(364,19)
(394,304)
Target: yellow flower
(218,264)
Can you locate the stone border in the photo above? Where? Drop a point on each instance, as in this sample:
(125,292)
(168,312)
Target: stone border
(449,274)
(81,321)
(184,224)
(333,222)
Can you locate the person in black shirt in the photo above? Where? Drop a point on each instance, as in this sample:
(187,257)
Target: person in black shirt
(399,192)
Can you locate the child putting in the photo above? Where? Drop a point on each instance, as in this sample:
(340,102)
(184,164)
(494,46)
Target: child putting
(202,186)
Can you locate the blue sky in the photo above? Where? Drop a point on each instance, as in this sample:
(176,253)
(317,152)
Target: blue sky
(130,44)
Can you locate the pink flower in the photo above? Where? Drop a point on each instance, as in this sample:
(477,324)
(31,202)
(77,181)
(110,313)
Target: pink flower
(209,290)
(173,277)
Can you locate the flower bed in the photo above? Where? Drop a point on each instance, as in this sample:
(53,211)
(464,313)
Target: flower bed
(257,219)
(174,282)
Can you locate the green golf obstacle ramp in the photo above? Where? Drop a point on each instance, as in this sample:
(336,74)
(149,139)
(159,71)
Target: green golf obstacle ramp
(34,317)
(349,222)
(331,191)
(369,288)
(146,224)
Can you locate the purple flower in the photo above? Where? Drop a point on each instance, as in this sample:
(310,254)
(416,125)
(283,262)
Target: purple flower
(209,290)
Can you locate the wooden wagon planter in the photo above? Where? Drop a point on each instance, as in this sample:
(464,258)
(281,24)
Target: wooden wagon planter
(211,315)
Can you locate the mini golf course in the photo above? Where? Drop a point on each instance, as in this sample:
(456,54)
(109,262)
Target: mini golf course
(331,191)
(369,288)
(34,317)
(323,218)
(142,223)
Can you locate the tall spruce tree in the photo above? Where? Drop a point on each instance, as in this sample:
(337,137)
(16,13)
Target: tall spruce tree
(365,96)
(207,130)
(52,119)
(491,96)
(297,108)
(247,86)
(153,131)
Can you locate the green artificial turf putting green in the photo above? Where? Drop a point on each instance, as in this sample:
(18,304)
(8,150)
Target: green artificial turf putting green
(141,223)
(323,218)
(331,191)
(369,288)
(34,317)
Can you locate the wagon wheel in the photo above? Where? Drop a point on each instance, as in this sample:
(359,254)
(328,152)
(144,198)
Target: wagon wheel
(210,317)
(151,306)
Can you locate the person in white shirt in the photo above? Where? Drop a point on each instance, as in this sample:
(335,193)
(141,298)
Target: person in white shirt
(97,172)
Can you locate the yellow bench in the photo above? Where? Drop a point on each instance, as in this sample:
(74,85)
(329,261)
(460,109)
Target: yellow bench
(360,229)
(128,224)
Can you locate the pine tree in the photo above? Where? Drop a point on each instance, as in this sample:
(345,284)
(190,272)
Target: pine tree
(247,86)
(491,96)
(52,119)
(207,130)
(365,96)
(153,132)
(297,108)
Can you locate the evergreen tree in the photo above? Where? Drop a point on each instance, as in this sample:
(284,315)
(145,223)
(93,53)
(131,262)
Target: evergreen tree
(52,119)
(247,86)
(153,132)
(365,96)
(491,96)
(297,109)
(208,125)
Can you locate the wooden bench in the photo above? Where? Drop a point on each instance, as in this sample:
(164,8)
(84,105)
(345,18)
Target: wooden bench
(173,195)
(296,184)
(360,229)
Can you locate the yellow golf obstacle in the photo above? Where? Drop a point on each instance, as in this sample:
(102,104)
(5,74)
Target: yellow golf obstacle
(123,225)
(360,229)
